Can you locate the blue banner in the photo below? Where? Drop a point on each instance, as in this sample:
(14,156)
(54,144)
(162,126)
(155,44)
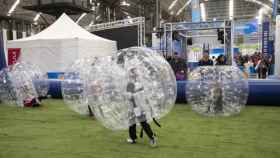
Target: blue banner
(2,52)
(195,11)
(220,51)
(271,47)
(265,37)
(247,28)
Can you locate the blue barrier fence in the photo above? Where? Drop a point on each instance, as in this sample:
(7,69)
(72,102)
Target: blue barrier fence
(261,92)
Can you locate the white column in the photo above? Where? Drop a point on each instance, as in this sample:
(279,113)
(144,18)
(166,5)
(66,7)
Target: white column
(5,43)
(277,47)
(23,34)
(14,34)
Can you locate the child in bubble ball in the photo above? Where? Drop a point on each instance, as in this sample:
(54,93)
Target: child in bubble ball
(217,96)
(134,88)
(29,99)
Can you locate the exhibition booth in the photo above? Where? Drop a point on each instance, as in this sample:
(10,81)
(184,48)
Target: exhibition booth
(58,46)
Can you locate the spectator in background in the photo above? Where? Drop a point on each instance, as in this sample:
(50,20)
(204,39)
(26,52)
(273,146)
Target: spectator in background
(260,63)
(249,66)
(181,75)
(262,68)
(270,65)
(221,60)
(239,59)
(205,60)
(214,60)
(178,63)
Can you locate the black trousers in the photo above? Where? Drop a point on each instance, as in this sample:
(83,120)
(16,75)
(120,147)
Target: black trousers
(146,127)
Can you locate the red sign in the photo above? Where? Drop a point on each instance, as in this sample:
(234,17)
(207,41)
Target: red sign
(13,55)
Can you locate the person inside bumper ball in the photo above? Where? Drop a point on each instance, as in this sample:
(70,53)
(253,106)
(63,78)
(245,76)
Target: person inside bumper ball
(30,99)
(136,113)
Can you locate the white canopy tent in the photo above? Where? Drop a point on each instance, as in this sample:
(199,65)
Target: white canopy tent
(59,45)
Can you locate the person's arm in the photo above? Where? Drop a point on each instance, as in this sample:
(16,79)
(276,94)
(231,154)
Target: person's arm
(140,89)
(135,87)
(257,66)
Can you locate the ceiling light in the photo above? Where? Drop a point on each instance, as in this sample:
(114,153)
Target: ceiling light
(81,17)
(203,12)
(36,18)
(91,23)
(260,15)
(260,3)
(126,13)
(172,4)
(14,6)
(182,9)
(124,3)
(231,6)
(91,2)
(93,8)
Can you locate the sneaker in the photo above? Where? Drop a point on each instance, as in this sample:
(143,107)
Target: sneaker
(131,141)
(153,142)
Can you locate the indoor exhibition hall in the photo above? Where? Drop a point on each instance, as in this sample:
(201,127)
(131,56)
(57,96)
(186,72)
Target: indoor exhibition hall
(139,78)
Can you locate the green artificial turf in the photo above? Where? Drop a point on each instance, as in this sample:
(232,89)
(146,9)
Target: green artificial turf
(53,131)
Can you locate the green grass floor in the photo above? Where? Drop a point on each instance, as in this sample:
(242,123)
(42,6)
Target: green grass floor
(54,131)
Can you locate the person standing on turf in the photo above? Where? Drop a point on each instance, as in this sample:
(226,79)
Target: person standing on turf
(134,89)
